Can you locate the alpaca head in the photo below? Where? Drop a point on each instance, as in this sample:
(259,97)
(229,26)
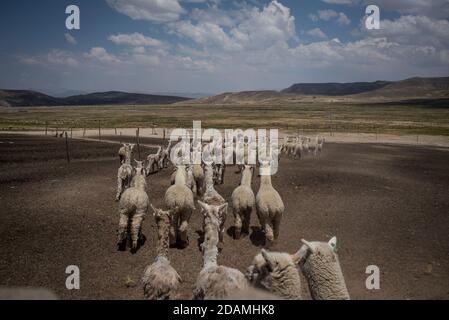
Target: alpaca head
(272,270)
(311,249)
(151,161)
(214,214)
(163,216)
(265,167)
(248,168)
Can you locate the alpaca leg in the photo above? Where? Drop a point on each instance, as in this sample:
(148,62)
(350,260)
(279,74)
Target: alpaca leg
(173,235)
(237,225)
(200,188)
(261,218)
(194,189)
(269,236)
(136,226)
(119,189)
(223,174)
(276,225)
(246,221)
(183,228)
(122,227)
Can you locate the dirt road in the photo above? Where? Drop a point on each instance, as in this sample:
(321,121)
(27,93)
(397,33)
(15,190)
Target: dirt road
(387,205)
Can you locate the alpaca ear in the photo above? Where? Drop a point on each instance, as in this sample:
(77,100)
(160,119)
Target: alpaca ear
(308,245)
(203,205)
(270,262)
(154,209)
(296,257)
(333,244)
(223,207)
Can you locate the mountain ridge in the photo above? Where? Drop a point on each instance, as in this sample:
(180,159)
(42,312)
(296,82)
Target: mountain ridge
(370,92)
(30,98)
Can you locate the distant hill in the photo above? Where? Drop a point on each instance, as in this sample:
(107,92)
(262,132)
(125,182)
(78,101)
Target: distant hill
(413,89)
(334,89)
(26,98)
(117,97)
(13,98)
(241,97)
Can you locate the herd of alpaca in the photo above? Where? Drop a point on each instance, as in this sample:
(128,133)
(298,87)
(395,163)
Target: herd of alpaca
(301,145)
(271,275)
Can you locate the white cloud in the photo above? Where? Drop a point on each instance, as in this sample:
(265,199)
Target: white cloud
(54,57)
(340,1)
(255,48)
(316,32)
(259,29)
(152,10)
(100,54)
(343,19)
(134,39)
(430,8)
(206,34)
(418,30)
(329,14)
(313,17)
(70,39)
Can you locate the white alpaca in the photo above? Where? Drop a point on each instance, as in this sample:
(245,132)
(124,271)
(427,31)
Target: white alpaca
(179,195)
(215,281)
(211,196)
(133,207)
(269,205)
(243,202)
(277,273)
(124,150)
(165,157)
(321,268)
(124,173)
(153,161)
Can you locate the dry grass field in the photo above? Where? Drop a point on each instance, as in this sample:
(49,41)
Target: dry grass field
(419,118)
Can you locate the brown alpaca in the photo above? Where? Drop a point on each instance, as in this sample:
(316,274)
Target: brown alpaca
(160,279)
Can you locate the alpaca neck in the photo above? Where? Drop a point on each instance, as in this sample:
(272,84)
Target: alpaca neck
(286,284)
(210,249)
(209,177)
(333,286)
(180,178)
(139,182)
(246,178)
(265,180)
(163,228)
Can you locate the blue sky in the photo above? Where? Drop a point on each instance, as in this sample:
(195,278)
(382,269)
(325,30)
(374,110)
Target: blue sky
(212,46)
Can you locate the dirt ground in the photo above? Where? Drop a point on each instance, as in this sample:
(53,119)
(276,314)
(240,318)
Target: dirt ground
(388,206)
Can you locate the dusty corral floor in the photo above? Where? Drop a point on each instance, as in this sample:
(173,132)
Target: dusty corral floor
(387,205)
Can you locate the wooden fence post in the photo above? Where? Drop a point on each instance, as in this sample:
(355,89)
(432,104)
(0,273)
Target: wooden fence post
(67,147)
(138,142)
